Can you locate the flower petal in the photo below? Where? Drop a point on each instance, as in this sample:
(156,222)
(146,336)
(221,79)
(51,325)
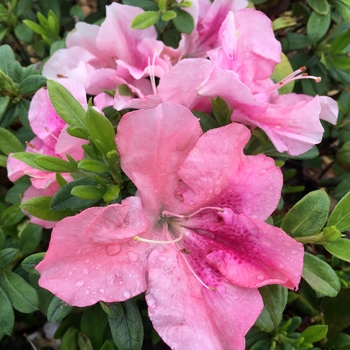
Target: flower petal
(219,174)
(91,257)
(186,314)
(153,144)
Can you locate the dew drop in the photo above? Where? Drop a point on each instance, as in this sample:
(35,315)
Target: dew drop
(282,266)
(78,251)
(260,277)
(126,294)
(87,292)
(70,273)
(271,188)
(80,283)
(85,272)
(150,301)
(162,258)
(113,249)
(294,252)
(101,290)
(262,171)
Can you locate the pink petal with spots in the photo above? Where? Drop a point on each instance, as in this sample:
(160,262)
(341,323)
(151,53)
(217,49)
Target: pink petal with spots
(180,84)
(219,174)
(248,252)
(90,259)
(153,144)
(186,314)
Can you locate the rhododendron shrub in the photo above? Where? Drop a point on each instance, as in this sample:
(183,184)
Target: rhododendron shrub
(165,144)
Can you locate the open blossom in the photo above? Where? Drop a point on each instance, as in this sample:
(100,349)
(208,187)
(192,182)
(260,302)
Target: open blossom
(194,239)
(241,73)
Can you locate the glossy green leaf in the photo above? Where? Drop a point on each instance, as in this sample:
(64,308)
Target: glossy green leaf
(24,33)
(30,238)
(343,153)
(313,334)
(339,248)
(320,6)
(340,42)
(58,310)
(107,345)
(93,166)
(112,193)
(168,15)
(7,60)
(317,26)
(31,84)
(50,163)
(40,208)
(339,341)
(320,276)
(11,216)
(4,101)
(66,106)
(30,262)
(127,331)
(88,192)
(7,255)
(282,70)
(101,130)
(84,342)
(64,200)
(340,216)
(221,111)
(23,296)
(308,216)
(70,340)
(145,20)
(283,22)
(35,27)
(183,22)
(29,158)
(9,143)
(343,6)
(275,300)
(7,317)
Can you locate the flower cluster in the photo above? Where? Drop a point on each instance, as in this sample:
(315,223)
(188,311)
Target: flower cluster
(194,237)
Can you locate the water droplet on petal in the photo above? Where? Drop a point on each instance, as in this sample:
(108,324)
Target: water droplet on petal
(80,283)
(101,290)
(85,272)
(162,258)
(126,294)
(87,261)
(70,273)
(87,292)
(260,277)
(271,188)
(150,301)
(294,252)
(282,266)
(78,251)
(262,171)
(113,249)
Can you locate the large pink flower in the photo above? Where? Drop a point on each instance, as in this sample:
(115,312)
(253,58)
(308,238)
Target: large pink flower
(242,68)
(194,239)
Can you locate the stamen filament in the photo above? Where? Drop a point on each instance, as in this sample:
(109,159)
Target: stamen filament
(48,131)
(140,239)
(186,217)
(152,72)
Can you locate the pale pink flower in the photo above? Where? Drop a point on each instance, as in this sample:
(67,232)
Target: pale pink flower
(194,239)
(241,73)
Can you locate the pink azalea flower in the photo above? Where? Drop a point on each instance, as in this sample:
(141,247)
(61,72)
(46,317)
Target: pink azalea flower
(194,239)
(241,77)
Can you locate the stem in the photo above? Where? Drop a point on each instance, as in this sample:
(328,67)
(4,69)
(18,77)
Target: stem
(316,239)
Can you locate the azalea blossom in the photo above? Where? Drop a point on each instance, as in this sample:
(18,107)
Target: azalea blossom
(194,238)
(240,76)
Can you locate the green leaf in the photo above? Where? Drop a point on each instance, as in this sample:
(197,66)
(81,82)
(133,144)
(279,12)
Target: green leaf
(308,216)
(111,194)
(30,262)
(320,276)
(320,6)
(101,131)
(23,296)
(168,15)
(70,340)
(84,342)
(3,161)
(313,334)
(7,255)
(11,216)
(282,70)
(30,238)
(340,217)
(343,6)
(93,166)
(64,200)
(24,33)
(4,101)
(317,26)
(31,84)
(113,309)
(339,341)
(40,208)
(127,331)
(340,42)
(58,310)
(66,106)
(9,142)
(7,317)
(221,111)
(108,345)
(145,20)
(88,192)
(183,22)
(283,22)
(7,60)
(28,158)
(275,300)
(339,248)
(343,154)
(50,163)
(336,312)
(35,27)
(77,11)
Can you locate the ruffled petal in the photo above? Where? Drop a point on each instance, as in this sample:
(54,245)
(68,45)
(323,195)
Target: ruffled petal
(186,314)
(91,257)
(153,144)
